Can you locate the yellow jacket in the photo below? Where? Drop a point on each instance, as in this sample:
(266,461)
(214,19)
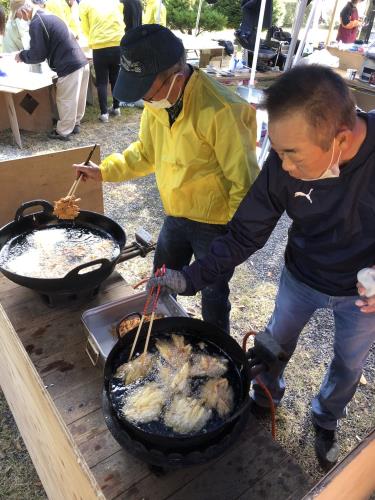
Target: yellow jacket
(68,14)
(150,15)
(102,22)
(205,163)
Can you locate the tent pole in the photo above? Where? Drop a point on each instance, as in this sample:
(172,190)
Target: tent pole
(332,22)
(295,32)
(309,23)
(158,15)
(257,44)
(198,17)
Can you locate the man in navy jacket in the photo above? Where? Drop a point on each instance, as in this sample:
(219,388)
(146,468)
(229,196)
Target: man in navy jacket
(51,39)
(321,172)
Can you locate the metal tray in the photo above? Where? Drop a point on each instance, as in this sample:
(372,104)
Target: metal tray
(99,323)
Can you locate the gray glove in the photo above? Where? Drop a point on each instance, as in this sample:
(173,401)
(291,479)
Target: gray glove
(172,282)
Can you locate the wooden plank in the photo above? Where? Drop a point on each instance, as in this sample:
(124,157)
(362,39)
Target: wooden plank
(12,115)
(250,460)
(353,478)
(285,482)
(164,486)
(81,400)
(99,448)
(46,176)
(118,473)
(48,441)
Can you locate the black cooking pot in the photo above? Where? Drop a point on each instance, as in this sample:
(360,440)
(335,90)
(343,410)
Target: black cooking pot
(75,280)
(239,375)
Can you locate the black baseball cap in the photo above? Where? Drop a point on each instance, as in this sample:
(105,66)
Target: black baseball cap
(146,51)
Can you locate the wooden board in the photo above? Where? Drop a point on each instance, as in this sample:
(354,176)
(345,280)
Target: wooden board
(46,176)
(51,447)
(351,479)
(54,340)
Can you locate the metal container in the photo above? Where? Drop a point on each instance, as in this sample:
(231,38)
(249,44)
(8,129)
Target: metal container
(100,322)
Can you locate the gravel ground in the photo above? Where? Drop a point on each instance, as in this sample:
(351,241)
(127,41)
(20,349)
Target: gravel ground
(254,287)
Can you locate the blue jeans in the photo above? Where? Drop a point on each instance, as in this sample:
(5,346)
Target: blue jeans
(354,335)
(178,241)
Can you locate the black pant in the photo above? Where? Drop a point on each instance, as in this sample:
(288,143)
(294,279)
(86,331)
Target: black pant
(178,241)
(107,66)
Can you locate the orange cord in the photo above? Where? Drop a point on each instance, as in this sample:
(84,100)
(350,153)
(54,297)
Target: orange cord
(140,283)
(263,387)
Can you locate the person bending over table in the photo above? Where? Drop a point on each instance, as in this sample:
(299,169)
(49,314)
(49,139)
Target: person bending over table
(51,40)
(321,172)
(197,137)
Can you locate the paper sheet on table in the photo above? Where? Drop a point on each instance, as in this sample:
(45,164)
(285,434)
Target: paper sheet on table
(18,75)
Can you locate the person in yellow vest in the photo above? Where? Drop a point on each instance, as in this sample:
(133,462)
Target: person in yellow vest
(198,138)
(103,25)
(155,13)
(67,10)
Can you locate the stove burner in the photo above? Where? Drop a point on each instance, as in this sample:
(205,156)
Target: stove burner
(60,299)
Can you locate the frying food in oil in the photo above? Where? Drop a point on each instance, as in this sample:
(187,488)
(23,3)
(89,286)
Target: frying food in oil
(175,353)
(218,394)
(66,208)
(170,390)
(209,366)
(144,404)
(135,369)
(186,415)
(52,252)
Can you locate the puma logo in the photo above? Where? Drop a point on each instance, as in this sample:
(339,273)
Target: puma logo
(308,195)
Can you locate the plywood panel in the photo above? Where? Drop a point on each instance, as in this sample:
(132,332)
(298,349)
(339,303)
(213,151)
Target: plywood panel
(50,445)
(351,479)
(46,176)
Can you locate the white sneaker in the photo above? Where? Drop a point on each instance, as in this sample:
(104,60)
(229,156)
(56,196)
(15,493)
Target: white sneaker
(114,111)
(104,118)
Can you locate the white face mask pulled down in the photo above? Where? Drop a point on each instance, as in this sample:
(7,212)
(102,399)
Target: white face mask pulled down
(333,170)
(165,103)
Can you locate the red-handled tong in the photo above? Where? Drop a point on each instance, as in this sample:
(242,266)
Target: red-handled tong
(158,273)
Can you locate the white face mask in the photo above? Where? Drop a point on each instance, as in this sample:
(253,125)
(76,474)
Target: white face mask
(165,103)
(333,170)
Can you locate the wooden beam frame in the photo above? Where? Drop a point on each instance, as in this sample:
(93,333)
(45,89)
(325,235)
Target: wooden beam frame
(60,466)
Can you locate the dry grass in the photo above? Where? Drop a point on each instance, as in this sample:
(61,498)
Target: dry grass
(254,286)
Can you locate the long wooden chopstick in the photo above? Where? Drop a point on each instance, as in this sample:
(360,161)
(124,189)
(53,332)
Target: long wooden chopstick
(72,190)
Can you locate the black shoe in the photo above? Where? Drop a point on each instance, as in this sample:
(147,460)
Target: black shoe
(76,130)
(326,447)
(54,135)
(259,411)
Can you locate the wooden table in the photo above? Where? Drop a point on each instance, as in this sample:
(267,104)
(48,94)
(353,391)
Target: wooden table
(54,393)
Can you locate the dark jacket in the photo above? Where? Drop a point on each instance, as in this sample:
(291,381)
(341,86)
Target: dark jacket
(51,39)
(331,238)
(132,13)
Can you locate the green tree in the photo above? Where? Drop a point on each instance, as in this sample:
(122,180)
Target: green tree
(278,12)
(231,9)
(182,14)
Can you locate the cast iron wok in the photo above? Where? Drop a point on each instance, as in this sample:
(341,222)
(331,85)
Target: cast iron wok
(199,331)
(74,280)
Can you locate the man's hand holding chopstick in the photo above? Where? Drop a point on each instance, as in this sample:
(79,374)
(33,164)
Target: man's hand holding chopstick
(90,171)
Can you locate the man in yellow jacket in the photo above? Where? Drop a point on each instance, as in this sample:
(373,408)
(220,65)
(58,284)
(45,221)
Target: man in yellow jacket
(199,140)
(67,10)
(103,25)
(155,13)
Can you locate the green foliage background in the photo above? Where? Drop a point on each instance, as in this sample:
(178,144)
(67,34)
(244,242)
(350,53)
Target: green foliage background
(182,14)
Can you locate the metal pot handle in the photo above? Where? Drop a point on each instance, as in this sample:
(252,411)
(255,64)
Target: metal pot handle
(74,272)
(46,205)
